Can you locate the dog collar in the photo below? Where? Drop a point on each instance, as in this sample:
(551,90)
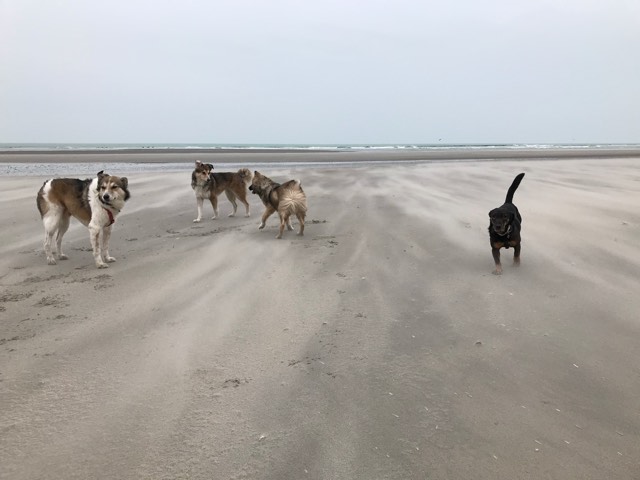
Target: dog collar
(505,234)
(508,235)
(111,219)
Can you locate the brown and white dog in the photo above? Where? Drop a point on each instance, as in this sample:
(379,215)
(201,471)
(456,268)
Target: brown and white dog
(209,185)
(95,202)
(286,199)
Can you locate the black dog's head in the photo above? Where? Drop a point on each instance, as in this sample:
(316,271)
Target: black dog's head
(500,220)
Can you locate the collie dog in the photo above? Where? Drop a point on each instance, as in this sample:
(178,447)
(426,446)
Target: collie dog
(209,185)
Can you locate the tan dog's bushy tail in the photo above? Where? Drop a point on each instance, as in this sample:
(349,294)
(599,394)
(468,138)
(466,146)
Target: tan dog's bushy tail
(294,201)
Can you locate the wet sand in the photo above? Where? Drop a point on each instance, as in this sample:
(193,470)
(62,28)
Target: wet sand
(379,345)
(262,155)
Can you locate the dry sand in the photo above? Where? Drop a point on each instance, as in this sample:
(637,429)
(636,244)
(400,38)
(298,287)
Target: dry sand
(377,346)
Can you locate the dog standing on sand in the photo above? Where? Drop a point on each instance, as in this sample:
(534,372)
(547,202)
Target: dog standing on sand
(286,199)
(504,227)
(209,185)
(95,202)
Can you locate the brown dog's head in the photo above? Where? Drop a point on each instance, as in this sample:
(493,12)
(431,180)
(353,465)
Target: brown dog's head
(113,191)
(259,183)
(202,172)
(500,220)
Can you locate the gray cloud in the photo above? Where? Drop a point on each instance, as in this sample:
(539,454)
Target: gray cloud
(250,71)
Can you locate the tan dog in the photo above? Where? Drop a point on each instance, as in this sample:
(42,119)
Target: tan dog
(286,199)
(209,185)
(95,202)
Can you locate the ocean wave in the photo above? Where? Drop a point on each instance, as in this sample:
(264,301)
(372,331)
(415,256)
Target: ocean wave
(161,147)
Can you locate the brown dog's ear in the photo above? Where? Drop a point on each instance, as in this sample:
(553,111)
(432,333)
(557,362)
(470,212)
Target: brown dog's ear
(210,166)
(198,163)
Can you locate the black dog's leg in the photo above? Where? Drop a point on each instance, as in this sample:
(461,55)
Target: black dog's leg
(516,255)
(496,258)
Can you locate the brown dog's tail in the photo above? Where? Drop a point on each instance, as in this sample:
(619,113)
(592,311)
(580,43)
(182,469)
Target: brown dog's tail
(513,188)
(246,175)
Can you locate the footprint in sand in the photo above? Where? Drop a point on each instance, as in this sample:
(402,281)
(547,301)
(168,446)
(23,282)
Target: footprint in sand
(14,297)
(52,301)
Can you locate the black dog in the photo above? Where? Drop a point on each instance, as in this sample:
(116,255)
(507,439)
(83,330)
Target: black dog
(504,227)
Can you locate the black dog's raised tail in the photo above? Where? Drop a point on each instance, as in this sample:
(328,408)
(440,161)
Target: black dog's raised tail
(513,188)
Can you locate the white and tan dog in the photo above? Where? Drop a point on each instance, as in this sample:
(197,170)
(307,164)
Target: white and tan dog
(94,202)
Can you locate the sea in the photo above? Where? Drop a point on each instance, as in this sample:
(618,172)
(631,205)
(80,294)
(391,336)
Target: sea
(61,147)
(421,152)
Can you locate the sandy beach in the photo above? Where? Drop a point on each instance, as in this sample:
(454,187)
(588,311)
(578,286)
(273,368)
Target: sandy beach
(377,346)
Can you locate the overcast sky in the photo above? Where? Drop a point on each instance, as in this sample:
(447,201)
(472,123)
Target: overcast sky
(320,72)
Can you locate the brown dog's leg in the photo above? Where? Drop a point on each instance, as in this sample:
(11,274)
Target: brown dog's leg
(232,198)
(496,258)
(214,204)
(267,213)
(284,221)
(301,222)
(242,196)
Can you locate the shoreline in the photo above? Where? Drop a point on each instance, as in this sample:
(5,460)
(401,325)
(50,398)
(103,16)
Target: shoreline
(79,163)
(232,155)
